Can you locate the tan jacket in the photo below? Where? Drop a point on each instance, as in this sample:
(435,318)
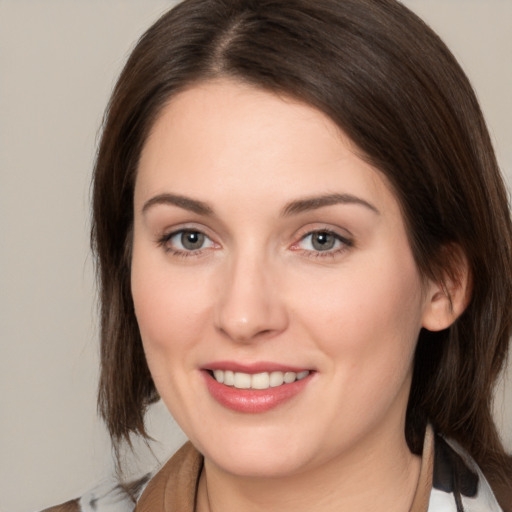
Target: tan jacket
(449,481)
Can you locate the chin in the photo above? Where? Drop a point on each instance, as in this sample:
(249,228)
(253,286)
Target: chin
(257,455)
(259,465)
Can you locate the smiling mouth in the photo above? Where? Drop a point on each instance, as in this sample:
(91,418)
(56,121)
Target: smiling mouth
(263,380)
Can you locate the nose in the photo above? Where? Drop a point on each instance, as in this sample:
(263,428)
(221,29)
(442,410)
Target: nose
(250,305)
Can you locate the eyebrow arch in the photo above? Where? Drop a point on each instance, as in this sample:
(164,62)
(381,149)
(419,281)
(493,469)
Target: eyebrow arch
(313,203)
(186,203)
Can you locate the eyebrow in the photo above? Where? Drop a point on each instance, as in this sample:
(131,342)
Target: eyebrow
(292,208)
(313,203)
(184,202)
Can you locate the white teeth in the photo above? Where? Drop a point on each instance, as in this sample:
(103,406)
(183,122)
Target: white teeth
(242,380)
(229,378)
(289,377)
(219,375)
(276,379)
(262,380)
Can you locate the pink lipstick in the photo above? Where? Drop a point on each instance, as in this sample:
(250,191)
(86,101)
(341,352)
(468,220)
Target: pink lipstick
(254,388)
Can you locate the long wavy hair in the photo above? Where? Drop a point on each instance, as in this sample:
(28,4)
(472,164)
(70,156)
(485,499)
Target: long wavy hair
(395,89)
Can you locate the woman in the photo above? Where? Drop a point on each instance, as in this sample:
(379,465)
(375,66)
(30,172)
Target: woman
(303,248)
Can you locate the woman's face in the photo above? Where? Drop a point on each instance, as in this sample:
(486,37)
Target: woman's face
(267,254)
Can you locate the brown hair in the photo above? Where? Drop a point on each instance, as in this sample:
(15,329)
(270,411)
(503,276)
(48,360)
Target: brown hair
(395,89)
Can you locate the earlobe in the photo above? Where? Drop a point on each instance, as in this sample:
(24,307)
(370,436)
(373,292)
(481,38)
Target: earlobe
(447,299)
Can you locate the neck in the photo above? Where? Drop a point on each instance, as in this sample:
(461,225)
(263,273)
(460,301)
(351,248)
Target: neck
(376,476)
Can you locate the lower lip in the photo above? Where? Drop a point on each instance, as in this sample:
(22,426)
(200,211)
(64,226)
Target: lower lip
(253,400)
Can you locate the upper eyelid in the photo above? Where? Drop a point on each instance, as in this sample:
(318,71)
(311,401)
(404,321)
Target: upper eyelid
(171,231)
(163,237)
(326,230)
(338,236)
(163,241)
(342,233)
(347,241)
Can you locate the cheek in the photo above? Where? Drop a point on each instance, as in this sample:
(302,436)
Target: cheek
(166,307)
(368,318)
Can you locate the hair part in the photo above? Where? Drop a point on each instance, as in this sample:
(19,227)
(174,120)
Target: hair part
(397,92)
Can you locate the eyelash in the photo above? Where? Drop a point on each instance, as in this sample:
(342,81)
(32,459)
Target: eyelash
(346,243)
(164,240)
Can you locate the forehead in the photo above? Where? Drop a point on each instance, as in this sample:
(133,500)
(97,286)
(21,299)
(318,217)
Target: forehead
(227,137)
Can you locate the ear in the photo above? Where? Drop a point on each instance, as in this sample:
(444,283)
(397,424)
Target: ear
(447,298)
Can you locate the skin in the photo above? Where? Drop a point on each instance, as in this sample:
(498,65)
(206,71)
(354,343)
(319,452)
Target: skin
(259,290)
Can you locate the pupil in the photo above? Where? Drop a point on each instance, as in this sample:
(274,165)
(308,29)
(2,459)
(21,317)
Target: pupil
(192,240)
(323,241)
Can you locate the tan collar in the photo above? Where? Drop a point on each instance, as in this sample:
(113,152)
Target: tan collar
(424,487)
(174,487)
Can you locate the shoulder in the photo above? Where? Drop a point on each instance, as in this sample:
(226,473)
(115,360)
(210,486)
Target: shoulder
(69,506)
(107,496)
(458,483)
(177,480)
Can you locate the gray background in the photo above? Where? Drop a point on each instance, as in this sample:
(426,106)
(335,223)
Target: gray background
(58,63)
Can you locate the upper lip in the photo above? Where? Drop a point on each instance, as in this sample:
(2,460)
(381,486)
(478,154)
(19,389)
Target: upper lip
(252,368)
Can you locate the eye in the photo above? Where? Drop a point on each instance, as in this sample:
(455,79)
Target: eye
(320,241)
(323,241)
(186,241)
